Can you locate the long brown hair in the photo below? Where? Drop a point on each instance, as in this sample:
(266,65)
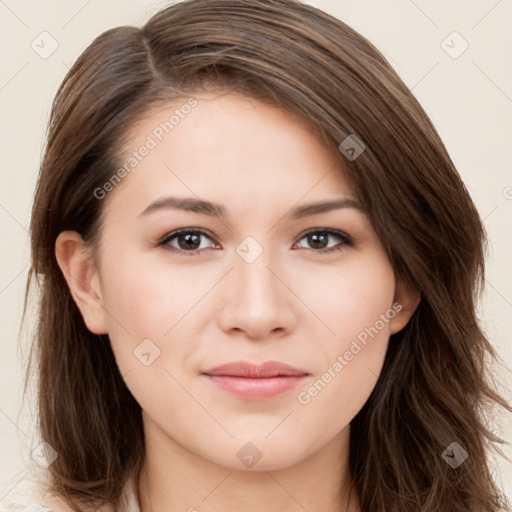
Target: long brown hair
(435,386)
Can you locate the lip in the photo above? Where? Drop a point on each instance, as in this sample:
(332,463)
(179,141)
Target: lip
(255,371)
(256,381)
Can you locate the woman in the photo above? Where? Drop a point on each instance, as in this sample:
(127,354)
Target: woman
(258,271)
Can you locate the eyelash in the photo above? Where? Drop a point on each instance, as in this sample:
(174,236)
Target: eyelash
(164,241)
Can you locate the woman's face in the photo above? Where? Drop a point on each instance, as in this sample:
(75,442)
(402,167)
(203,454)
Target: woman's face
(268,280)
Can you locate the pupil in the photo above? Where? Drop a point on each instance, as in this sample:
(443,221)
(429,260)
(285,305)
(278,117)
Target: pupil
(314,239)
(192,239)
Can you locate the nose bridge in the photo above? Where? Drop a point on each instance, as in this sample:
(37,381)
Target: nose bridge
(257,300)
(252,269)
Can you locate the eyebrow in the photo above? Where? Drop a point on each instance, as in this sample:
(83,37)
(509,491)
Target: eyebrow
(190,204)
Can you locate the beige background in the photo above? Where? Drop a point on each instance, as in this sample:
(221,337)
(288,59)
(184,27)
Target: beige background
(469,99)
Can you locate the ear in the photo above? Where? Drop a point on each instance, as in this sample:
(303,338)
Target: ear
(406,299)
(81,275)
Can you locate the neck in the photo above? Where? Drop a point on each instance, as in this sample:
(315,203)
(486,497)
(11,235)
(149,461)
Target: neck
(174,478)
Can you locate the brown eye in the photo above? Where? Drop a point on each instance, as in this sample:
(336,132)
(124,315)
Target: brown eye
(319,240)
(187,241)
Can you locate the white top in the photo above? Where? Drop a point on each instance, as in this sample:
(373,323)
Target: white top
(128,502)
(17,507)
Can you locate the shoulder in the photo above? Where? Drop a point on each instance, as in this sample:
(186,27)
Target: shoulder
(49,504)
(53,503)
(56,504)
(42,503)
(25,507)
(36,504)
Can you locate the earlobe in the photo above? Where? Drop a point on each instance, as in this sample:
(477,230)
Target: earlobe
(407,300)
(81,275)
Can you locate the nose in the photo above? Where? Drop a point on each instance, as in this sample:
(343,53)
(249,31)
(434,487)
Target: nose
(257,300)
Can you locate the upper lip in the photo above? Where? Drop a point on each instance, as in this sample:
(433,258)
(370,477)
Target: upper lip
(246,369)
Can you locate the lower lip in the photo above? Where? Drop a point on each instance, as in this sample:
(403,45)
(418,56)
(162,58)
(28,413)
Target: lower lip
(256,388)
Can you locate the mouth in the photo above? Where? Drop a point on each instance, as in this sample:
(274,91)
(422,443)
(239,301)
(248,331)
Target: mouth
(256,381)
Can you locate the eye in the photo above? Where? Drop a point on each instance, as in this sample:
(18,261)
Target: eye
(187,241)
(318,238)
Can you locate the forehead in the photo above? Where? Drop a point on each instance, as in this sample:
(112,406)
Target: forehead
(216,144)
(216,117)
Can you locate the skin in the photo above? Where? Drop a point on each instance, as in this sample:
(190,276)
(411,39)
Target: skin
(292,304)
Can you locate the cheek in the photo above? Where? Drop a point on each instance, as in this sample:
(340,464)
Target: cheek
(356,306)
(145,302)
(148,311)
(348,297)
